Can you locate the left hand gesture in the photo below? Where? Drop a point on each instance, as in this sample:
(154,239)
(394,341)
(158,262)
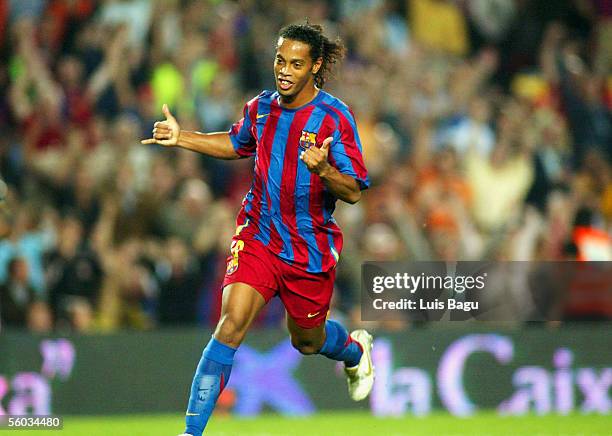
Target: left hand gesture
(315,158)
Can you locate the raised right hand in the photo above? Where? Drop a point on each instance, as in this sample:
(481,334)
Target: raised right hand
(166,132)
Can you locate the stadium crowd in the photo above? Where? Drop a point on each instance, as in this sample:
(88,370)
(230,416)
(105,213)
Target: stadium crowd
(486,128)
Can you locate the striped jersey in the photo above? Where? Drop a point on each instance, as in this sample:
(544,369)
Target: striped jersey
(288,208)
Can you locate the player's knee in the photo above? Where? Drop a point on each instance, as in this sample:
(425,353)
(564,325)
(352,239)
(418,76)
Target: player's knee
(231,330)
(305,347)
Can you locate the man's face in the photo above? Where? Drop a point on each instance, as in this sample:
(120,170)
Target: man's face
(293,68)
(20,271)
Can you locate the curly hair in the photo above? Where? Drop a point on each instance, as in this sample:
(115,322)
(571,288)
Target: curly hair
(320,47)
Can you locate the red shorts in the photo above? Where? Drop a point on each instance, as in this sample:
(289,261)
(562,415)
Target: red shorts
(306,296)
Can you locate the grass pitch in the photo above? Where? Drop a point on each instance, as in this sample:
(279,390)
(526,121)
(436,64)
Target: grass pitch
(337,424)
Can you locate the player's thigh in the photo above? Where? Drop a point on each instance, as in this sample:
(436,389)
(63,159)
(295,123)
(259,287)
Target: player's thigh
(248,284)
(240,305)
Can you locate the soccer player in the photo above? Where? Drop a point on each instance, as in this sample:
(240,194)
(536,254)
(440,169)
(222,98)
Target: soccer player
(307,155)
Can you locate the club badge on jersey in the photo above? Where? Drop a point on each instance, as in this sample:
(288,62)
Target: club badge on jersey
(307,140)
(232,264)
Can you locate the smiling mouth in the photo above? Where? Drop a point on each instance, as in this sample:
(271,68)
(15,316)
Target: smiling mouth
(284,84)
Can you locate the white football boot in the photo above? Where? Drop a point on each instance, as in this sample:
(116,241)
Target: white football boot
(360,378)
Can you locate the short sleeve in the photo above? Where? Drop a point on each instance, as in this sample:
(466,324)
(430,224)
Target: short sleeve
(346,151)
(240,133)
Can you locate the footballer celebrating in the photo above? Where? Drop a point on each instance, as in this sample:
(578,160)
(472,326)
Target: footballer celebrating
(307,155)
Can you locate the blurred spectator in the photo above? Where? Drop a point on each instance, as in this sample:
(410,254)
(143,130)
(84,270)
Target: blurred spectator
(184,216)
(603,13)
(491,19)
(39,318)
(180,282)
(30,237)
(592,242)
(439,25)
(473,131)
(16,295)
(551,157)
(73,274)
(134,13)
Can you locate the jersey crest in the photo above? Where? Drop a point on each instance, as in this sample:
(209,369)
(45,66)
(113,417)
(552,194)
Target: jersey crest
(307,140)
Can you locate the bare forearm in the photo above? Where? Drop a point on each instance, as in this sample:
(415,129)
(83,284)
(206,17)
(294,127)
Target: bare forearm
(341,185)
(216,144)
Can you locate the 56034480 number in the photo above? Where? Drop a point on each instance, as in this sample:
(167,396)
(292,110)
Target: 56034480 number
(16,422)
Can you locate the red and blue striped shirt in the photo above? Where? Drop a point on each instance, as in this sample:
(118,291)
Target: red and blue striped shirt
(288,208)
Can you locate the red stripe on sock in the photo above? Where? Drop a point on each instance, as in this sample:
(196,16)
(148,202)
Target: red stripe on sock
(350,340)
(222,385)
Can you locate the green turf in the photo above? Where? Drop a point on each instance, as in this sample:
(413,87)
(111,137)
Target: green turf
(340,424)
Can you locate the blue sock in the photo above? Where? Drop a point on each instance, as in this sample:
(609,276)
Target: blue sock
(339,345)
(211,377)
